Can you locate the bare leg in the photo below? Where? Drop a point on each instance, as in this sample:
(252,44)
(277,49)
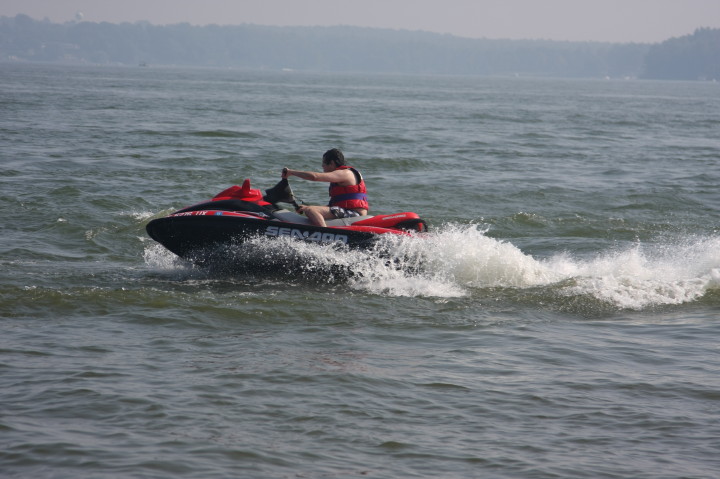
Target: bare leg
(317,214)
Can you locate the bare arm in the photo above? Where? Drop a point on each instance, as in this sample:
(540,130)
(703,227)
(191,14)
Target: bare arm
(337,176)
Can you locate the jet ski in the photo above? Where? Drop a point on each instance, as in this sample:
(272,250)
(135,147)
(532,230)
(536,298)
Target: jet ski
(239,213)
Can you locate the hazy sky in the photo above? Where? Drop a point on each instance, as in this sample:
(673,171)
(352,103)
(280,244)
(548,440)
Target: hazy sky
(575,20)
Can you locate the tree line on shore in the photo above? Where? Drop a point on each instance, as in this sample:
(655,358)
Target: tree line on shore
(353,49)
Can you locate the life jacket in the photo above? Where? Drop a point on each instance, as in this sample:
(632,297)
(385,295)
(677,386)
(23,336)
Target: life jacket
(349,197)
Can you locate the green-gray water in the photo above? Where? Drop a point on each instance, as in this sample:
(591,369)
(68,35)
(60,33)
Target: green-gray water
(560,321)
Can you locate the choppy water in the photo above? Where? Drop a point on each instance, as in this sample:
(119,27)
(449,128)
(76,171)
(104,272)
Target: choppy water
(561,320)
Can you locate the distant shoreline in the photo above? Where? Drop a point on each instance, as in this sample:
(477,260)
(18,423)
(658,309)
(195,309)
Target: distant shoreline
(353,49)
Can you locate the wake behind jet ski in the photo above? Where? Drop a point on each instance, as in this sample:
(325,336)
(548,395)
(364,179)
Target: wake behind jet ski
(242,212)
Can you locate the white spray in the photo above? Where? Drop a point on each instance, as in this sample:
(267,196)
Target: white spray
(455,261)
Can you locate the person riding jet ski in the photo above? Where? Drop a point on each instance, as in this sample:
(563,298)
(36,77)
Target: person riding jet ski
(348,194)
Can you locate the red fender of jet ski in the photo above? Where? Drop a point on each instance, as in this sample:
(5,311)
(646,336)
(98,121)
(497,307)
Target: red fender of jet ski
(406,220)
(244,192)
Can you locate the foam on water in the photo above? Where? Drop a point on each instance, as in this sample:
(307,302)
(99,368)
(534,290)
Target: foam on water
(637,277)
(138,215)
(157,257)
(448,263)
(455,260)
(647,275)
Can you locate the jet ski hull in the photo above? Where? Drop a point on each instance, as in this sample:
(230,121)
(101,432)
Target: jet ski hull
(189,236)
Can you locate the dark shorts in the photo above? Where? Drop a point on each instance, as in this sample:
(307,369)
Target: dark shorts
(338,212)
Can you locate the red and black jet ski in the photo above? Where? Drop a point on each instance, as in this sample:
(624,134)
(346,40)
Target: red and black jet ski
(241,212)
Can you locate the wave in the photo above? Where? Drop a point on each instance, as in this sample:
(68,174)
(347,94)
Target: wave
(647,275)
(461,260)
(219,133)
